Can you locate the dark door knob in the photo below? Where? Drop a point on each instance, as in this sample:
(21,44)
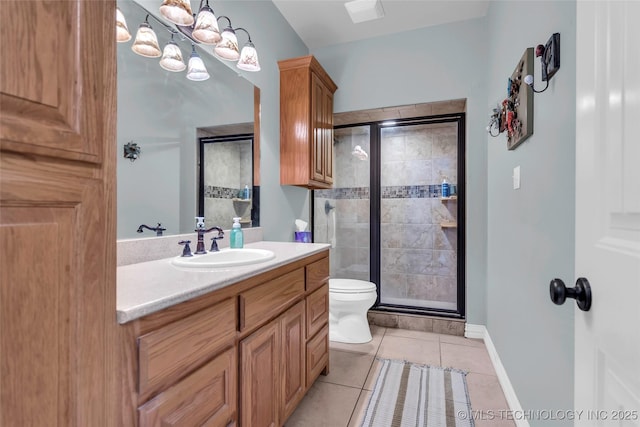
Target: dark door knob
(581,293)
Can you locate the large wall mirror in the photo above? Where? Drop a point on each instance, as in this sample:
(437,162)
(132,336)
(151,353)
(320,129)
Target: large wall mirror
(168,117)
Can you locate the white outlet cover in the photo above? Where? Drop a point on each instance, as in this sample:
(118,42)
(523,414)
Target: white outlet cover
(516,177)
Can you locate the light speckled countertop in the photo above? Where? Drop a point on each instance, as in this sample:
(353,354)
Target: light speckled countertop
(147,287)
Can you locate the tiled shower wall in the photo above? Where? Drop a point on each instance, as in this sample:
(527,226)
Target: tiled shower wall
(418,255)
(228,169)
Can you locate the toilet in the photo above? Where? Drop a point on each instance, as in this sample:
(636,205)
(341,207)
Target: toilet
(349,301)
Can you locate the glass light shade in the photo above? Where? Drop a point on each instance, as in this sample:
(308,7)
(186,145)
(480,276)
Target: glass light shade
(197,71)
(146,43)
(172,58)
(248,58)
(227,48)
(177,11)
(206,30)
(122,31)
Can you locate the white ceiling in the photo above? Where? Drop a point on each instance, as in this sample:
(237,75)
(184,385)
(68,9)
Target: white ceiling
(322,23)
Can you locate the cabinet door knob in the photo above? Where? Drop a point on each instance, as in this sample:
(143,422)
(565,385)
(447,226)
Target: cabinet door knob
(581,292)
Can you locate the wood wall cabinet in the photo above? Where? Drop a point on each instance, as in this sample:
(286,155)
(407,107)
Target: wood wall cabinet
(306,123)
(242,355)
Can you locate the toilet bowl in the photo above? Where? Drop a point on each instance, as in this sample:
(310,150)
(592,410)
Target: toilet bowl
(349,301)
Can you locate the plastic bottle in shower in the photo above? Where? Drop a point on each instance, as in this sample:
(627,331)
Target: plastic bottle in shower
(246,192)
(445,188)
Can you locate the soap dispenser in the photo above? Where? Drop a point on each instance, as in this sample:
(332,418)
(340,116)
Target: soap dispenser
(237,239)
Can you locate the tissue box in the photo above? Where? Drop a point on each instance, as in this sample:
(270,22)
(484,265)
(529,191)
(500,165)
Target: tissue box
(303,236)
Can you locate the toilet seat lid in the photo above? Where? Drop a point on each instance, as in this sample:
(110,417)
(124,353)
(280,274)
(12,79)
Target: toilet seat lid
(350,285)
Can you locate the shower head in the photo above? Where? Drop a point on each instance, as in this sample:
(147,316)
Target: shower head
(359,153)
(328,207)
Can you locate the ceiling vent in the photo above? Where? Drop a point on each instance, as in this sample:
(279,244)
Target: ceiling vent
(364,10)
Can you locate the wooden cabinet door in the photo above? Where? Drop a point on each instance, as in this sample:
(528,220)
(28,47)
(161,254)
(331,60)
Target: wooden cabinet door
(318,139)
(327,135)
(322,126)
(292,376)
(260,354)
(57,213)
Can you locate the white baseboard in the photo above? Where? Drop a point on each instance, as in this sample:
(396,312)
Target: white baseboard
(481,332)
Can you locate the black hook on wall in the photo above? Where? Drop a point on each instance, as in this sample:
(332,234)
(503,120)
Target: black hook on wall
(131,151)
(549,55)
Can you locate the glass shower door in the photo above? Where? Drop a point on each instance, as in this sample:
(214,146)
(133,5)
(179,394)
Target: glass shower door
(418,233)
(341,214)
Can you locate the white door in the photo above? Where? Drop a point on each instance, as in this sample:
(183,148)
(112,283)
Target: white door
(607,338)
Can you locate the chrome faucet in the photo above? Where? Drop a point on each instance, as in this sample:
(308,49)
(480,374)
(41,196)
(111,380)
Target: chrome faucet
(201,232)
(158,229)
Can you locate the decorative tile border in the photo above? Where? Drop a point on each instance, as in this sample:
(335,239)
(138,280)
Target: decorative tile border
(390,192)
(344,193)
(221,192)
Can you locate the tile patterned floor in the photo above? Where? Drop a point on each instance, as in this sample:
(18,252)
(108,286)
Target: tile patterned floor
(340,398)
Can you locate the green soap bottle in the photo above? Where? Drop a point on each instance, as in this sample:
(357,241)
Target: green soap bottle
(237,239)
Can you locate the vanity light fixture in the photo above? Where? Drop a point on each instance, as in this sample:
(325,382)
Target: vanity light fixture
(248,55)
(197,71)
(201,29)
(205,29)
(172,57)
(177,11)
(146,43)
(227,48)
(122,31)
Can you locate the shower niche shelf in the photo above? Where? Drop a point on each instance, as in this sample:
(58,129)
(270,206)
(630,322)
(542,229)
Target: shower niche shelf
(448,199)
(449,224)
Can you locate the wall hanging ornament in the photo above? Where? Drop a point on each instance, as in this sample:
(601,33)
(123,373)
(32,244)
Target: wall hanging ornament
(517,108)
(131,151)
(494,128)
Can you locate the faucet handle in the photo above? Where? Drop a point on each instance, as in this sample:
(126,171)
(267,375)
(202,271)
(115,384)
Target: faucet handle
(159,229)
(214,243)
(199,222)
(187,250)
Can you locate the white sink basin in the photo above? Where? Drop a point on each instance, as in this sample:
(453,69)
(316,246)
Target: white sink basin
(225,258)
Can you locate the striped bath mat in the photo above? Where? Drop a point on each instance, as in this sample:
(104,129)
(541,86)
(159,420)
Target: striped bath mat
(409,394)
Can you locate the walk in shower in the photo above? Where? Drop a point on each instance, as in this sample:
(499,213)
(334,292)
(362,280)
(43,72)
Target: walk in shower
(386,217)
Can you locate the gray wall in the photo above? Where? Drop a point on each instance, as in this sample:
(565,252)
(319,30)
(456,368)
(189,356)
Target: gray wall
(531,230)
(427,65)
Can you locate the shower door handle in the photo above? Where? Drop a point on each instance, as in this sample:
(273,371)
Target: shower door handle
(581,293)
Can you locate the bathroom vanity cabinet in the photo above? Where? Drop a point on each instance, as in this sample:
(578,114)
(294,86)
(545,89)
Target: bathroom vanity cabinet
(242,355)
(306,123)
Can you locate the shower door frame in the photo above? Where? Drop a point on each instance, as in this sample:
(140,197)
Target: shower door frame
(375,130)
